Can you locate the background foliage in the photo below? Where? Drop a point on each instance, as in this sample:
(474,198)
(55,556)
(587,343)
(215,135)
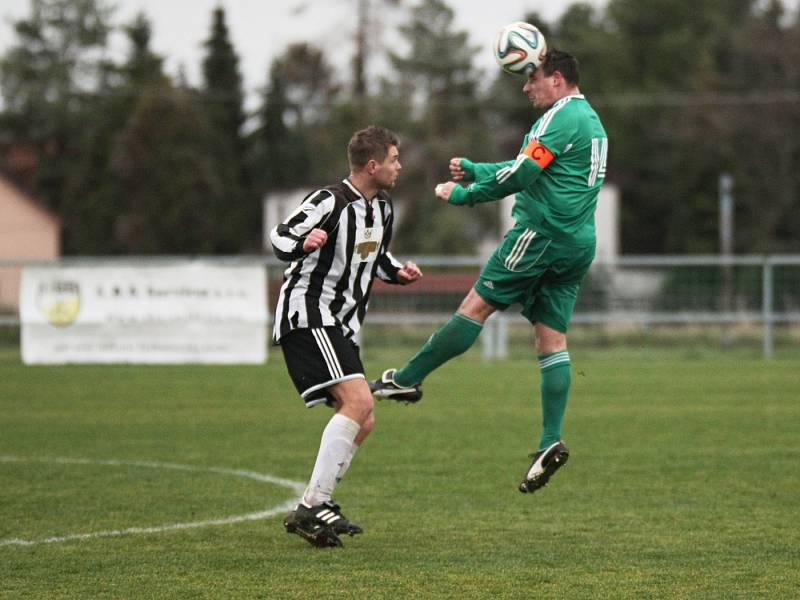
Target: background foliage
(135,161)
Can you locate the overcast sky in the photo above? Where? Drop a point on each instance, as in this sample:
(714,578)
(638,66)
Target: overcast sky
(261,29)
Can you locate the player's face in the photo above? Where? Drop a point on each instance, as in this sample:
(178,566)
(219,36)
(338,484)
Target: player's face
(387,172)
(540,89)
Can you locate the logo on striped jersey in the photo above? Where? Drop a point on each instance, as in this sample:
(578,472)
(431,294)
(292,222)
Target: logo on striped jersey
(368,240)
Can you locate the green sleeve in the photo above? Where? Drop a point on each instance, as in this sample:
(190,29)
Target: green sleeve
(497,181)
(474,171)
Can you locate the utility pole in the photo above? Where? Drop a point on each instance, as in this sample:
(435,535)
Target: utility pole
(360,58)
(726,251)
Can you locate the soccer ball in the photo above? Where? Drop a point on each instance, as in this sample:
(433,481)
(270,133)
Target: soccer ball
(519,48)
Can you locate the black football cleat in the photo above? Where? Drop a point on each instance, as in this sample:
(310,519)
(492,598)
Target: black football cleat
(385,387)
(545,463)
(320,525)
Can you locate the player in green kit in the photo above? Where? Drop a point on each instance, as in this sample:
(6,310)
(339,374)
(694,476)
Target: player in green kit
(542,260)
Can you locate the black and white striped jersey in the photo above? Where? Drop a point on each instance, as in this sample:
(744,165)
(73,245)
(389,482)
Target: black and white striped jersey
(330,286)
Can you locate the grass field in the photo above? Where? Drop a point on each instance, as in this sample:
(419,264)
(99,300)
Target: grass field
(684,481)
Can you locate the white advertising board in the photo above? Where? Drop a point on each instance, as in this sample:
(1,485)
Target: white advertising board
(185,312)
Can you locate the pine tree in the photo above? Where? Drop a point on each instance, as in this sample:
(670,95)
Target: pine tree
(295,144)
(223,104)
(99,194)
(224,98)
(175,196)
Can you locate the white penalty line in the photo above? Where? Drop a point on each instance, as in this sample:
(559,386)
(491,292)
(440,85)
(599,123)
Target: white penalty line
(296,487)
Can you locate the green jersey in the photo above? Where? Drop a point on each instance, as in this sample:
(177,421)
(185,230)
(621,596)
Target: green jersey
(556,177)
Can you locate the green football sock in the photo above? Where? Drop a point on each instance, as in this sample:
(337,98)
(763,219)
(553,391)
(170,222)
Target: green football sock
(451,339)
(556,377)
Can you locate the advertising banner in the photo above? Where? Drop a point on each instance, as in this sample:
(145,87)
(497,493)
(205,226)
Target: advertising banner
(185,312)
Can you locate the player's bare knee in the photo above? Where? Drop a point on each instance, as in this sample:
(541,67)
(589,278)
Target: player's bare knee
(358,405)
(549,340)
(475,307)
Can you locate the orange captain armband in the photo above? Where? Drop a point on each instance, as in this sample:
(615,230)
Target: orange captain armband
(539,153)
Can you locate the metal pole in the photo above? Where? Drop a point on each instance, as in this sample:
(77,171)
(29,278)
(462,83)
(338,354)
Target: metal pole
(488,339)
(726,249)
(767,292)
(726,214)
(501,343)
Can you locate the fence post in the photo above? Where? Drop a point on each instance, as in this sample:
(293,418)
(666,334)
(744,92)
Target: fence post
(501,340)
(767,312)
(488,336)
(726,252)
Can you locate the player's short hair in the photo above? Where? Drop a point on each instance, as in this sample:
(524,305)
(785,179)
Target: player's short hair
(564,63)
(370,143)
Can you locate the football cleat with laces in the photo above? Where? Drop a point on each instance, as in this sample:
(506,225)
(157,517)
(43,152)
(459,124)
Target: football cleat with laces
(320,525)
(545,463)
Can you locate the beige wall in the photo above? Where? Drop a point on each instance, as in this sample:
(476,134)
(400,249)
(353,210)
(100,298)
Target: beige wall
(26,231)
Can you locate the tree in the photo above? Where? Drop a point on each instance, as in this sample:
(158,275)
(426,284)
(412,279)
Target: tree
(764,61)
(46,78)
(97,195)
(143,66)
(367,25)
(50,80)
(292,146)
(438,77)
(223,104)
(224,98)
(686,62)
(175,197)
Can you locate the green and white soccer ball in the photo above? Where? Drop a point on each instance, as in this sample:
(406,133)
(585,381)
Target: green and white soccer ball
(519,48)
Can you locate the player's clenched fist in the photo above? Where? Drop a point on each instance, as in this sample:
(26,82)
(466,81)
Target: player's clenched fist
(315,239)
(456,171)
(443,190)
(409,273)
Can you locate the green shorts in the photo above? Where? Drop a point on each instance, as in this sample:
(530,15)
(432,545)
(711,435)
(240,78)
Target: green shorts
(541,274)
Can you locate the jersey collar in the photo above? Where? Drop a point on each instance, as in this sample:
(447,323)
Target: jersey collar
(353,188)
(356,191)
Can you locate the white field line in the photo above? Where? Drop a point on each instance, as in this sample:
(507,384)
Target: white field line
(295,486)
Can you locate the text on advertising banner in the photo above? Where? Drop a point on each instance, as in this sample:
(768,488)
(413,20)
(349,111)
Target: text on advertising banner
(186,312)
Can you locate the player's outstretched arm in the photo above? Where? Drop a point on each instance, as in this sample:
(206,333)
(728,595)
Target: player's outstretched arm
(508,179)
(464,170)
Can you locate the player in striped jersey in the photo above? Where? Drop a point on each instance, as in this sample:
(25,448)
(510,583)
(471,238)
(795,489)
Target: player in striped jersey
(336,243)
(542,260)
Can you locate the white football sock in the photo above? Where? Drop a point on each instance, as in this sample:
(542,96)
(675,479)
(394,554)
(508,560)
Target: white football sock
(335,452)
(346,464)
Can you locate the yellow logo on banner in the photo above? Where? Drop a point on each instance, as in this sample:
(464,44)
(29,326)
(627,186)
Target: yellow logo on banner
(59,302)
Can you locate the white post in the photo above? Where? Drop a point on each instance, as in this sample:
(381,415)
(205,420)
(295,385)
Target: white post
(488,339)
(726,250)
(767,292)
(501,343)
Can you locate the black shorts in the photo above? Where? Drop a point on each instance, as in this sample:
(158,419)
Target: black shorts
(319,358)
